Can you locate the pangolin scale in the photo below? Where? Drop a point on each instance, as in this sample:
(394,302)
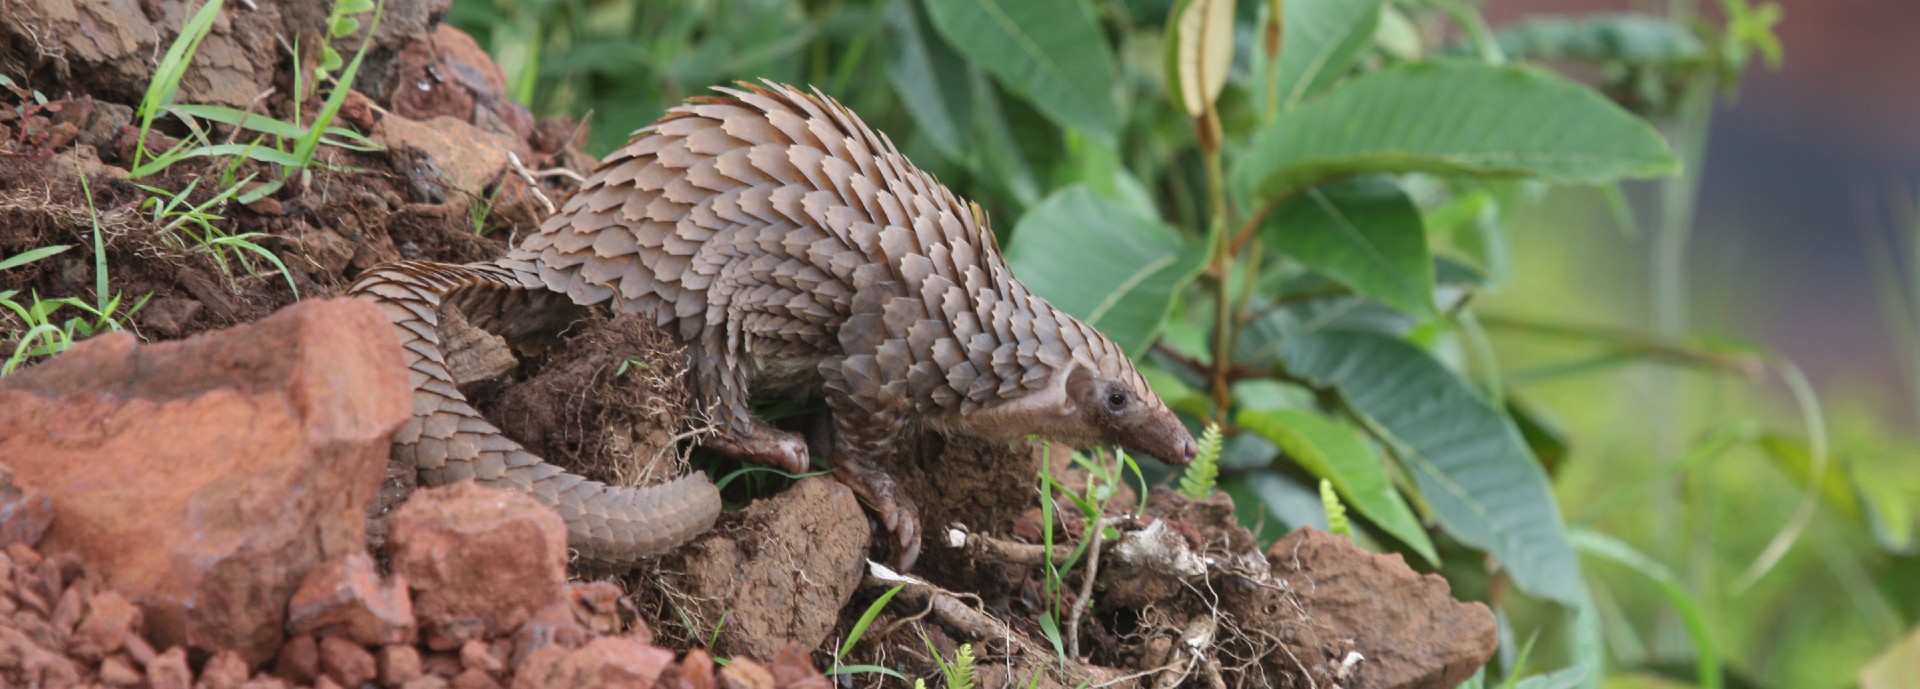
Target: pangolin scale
(794,251)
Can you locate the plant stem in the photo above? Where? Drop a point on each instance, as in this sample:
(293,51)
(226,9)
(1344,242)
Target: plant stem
(1222,264)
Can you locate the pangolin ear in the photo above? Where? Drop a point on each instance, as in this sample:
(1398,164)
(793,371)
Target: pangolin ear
(1080,385)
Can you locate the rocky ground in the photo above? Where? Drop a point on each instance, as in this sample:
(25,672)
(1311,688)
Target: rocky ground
(215,508)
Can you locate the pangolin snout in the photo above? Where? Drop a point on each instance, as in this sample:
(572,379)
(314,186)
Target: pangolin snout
(1164,437)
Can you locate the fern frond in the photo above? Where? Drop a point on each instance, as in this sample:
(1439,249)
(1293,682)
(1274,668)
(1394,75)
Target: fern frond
(1337,523)
(1199,477)
(962,675)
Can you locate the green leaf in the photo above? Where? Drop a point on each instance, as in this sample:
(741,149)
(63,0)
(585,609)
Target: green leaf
(1094,259)
(343,27)
(329,60)
(1320,39)
(1339,454)
(1454,118)
(352,6)
(1364,233)
(1050,53)
(1468,459)
(931,82)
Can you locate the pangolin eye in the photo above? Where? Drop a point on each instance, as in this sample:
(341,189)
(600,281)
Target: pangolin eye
(1116,399)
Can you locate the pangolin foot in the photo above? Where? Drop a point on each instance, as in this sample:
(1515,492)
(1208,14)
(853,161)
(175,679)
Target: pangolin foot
(896,513)
(764,445)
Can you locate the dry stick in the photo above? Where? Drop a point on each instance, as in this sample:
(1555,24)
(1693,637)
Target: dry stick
(993,549)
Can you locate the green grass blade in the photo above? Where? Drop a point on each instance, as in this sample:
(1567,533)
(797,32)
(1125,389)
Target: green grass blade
(31,255)
(1691,615)
(866,620)
(173,66)
(331,107)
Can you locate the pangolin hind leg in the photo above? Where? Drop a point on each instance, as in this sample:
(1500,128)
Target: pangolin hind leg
(447,440)
(737,432)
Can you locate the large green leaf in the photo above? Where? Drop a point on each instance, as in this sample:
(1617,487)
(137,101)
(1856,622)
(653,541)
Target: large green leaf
(1468,459)
(1364,233)
(1451,117)
(1320,40)
(1340,455)
(1050,52)
(1112,269)
(933,90)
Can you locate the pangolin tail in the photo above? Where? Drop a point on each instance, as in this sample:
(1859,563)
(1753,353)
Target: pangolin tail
(447,440)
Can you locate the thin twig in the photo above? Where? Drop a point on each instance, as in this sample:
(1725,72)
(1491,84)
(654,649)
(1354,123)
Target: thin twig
(1086,589)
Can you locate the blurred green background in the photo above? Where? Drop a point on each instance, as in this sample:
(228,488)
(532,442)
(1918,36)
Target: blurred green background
(1659,332)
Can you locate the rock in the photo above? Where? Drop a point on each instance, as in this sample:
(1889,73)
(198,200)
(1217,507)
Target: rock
(695,671)
(556,625)
(475,679)
(93,46)
(449,161)
(399,665)
(605,662)
(793,669)
(745,674)
(119,673)
(478,655)
(33,664)
(25,513)
(225,670)
(443,664)
(344,596)
(299,660)
(169,670)
(600,606)
(449,75)
(346,662)
(478,559)
(1408,628)
(747,572)
(110,617)
(205,478)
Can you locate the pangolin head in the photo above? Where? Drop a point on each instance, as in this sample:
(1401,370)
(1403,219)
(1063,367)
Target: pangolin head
(1112,405)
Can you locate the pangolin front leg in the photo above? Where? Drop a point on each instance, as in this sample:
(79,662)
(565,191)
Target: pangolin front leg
(867,425)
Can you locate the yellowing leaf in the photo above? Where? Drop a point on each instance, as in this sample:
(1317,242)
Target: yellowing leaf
(1202,51)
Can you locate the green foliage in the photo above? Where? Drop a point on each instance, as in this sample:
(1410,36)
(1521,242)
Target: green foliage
(858,632)
(957,673)
(1197,482)
(292,147)
(166,81)
(1475,120)
(40,335)
(1364,233)
(1472,467)
(1051,53)
(1135,265)
(1339,455)
(341,23)
(195,226)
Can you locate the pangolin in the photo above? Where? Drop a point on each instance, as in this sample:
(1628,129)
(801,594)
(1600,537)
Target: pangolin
(795,252)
